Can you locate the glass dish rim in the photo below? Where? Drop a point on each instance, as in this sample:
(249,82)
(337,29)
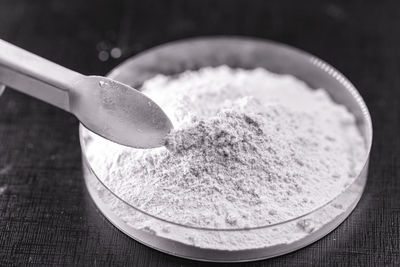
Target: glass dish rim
(339,77)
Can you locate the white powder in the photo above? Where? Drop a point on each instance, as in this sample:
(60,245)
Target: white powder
(249,148)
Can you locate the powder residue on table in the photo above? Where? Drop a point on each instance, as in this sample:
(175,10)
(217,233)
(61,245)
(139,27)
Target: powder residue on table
(249,148)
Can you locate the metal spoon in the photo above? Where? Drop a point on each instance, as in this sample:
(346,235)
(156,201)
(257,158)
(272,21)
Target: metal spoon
(109,108)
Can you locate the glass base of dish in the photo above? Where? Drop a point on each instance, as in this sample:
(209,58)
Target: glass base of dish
(307,229)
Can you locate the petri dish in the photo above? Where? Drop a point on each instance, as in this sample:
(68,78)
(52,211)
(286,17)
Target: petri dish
(207,244)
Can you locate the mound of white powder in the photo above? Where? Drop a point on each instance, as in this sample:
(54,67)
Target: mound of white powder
(249,148)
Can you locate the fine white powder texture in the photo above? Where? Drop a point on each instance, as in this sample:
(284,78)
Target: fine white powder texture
(249,148)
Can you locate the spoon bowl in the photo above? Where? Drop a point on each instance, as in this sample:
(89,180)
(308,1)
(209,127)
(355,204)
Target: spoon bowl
(118,112)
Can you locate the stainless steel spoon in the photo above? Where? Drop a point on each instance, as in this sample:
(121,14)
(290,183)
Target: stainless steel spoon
(109,108)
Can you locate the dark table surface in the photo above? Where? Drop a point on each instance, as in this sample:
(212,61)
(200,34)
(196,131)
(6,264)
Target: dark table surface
(46,216)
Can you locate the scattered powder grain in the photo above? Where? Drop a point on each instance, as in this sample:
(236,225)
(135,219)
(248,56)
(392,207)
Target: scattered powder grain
(249,148)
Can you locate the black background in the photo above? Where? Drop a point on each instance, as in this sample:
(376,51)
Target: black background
(46,216)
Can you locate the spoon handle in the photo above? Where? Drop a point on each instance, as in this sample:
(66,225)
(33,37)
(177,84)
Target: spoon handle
(36,76)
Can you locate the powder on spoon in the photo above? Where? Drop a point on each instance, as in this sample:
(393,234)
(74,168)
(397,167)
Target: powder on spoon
(249,148)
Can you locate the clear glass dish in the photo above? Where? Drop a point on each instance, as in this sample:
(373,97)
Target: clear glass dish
(206,244)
